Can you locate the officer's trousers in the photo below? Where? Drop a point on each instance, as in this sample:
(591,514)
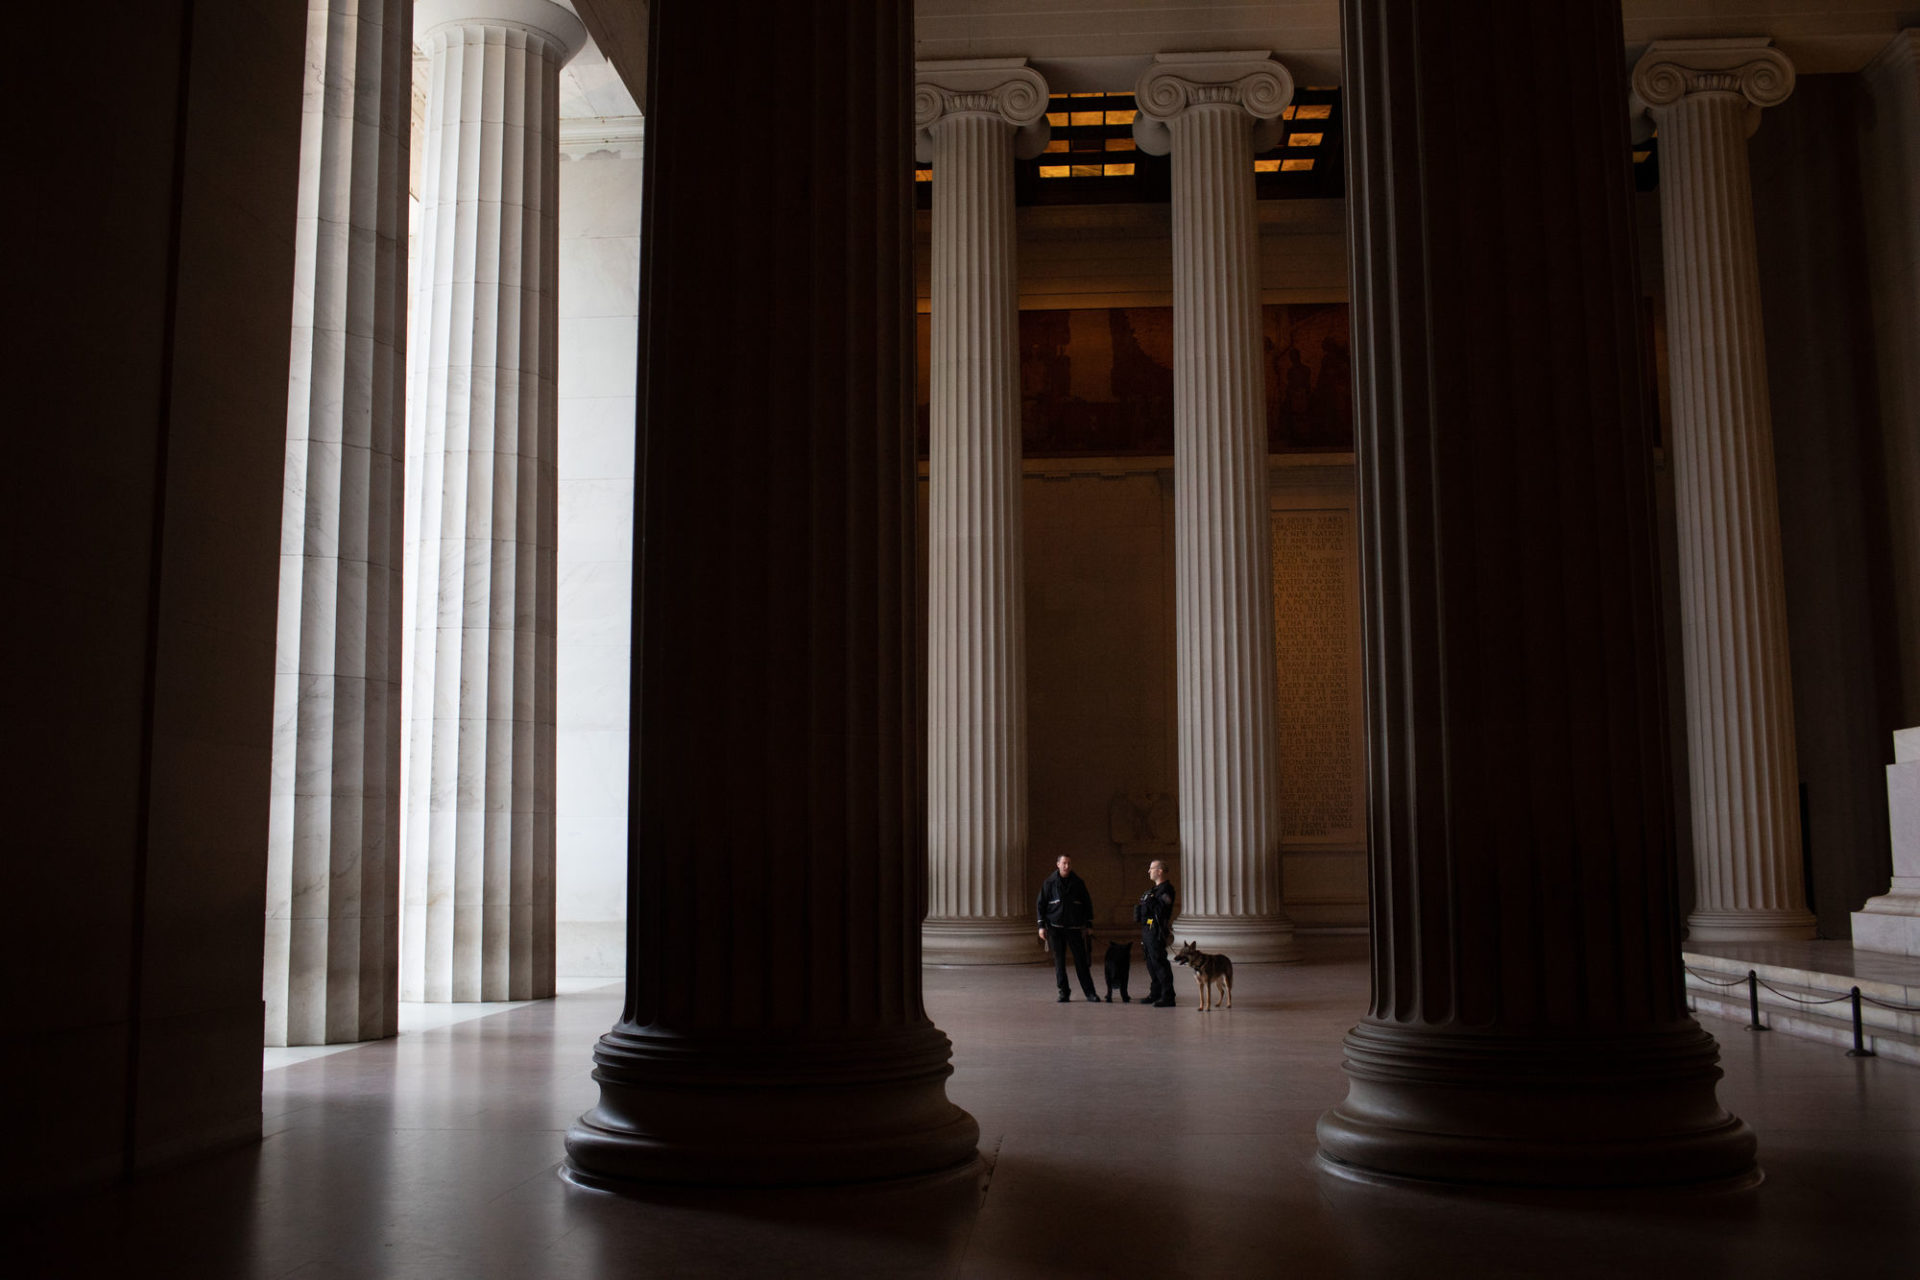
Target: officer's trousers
(1060,940)
(1159,969)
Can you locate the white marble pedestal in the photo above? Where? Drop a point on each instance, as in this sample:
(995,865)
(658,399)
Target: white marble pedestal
(1891,922)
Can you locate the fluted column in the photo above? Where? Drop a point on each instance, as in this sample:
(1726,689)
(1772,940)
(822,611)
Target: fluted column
(1706,97)
(1527,1024)
(774,1031)
(478,914)
(333,850)
(1205,109)
(971,119)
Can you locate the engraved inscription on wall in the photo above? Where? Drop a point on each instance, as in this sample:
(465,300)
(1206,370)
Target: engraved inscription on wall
(1316,630)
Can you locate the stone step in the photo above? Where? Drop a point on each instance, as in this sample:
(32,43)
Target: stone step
(1787,987)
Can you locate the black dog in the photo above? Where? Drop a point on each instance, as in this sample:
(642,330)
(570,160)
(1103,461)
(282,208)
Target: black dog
(1119,962)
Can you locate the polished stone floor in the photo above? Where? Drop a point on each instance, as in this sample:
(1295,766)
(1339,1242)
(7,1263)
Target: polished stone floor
(1117,1140)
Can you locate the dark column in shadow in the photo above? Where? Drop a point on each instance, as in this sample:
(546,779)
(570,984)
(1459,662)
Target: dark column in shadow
(774,1031)
(1527,1025)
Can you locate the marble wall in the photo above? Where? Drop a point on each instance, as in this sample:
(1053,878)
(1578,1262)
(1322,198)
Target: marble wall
(1100,670)
(1102,748)
(600,171)
(1321,693)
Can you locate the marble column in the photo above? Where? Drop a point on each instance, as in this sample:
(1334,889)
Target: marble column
(972,118)
(774,1032)
(1705,96)
(478,910)
(1527,1024)
(1206,109)
(333,849)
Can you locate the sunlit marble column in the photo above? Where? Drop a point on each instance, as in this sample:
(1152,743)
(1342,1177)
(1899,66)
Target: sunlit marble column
(1705,96)
(973,117)
(1527,1024)
(1206,109)
(333,849)
(478,913)
(774,1031)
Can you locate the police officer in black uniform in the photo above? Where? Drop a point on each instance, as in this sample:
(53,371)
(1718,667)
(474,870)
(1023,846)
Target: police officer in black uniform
(1154,914)
(1064,911)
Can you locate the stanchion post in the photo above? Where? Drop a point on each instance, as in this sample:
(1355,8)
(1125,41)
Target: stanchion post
(1859,1049)
(1753,1001)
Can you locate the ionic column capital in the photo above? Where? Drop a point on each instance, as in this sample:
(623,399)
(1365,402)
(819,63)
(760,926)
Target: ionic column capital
(1004,87)
(549,21)
(1178,82)
(1672,71)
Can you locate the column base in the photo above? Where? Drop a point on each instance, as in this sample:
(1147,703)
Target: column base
(1750,926)
(1454,1109)
(763,1111)
(960,941)
(1242,939)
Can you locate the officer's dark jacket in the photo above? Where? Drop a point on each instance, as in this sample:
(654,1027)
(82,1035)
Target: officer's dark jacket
(1064,904)
(1156,907)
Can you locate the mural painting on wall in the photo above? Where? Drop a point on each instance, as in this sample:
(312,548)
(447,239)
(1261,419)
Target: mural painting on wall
(1100,381)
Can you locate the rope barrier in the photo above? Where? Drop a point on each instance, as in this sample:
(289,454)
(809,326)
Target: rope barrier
(1897,1008)
(1753,983)
(1741,982)
(1737,982)
(1787,995)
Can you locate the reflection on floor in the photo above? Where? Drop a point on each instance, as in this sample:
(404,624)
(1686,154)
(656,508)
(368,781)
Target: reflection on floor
(1117,1140)
(421,1017)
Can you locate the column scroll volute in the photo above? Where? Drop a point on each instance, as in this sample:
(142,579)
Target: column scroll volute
(1673,70)
(1179,81)
(1003,87)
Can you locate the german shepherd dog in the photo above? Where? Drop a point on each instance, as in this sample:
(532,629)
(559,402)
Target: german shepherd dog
(1208,971)
(1119,965)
